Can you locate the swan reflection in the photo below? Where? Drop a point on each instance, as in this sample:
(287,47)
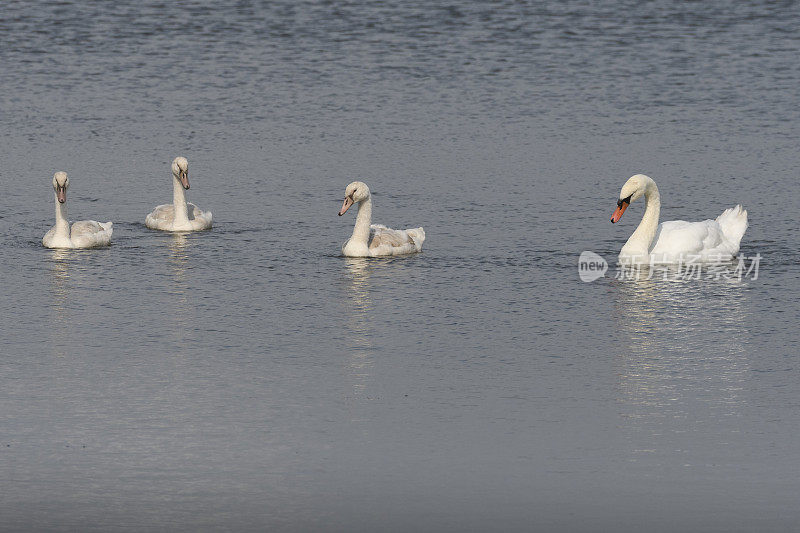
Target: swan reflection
(359,327)
(682,350)
(179,248)
(60,280)
(61,289)
(360,304)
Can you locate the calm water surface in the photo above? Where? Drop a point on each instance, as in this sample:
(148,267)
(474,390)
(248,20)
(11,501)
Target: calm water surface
(250,378)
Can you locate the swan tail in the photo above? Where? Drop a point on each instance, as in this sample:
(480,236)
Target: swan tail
(733,222)
(417,237)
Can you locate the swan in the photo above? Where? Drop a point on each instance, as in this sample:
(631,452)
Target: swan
(180,215)
(676,241)
(375,240)
(84,233)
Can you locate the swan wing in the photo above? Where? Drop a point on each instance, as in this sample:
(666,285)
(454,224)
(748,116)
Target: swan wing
(90,233)
(200,219)
(387,241)
(161,217)
(678,240)
(48,239)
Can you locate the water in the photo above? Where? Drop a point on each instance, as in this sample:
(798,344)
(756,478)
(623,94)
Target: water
(251,378)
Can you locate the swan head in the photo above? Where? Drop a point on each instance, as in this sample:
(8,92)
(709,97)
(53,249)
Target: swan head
(60,184)
(180,170)
(633,189)
(355,192)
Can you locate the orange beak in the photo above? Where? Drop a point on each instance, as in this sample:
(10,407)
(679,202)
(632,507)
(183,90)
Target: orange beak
(184,177)
(623,205)
(348,201)
(61,194)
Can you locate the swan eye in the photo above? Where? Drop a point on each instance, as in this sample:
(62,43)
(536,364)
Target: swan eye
(624,201)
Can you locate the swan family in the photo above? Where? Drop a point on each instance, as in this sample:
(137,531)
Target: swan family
(669,242)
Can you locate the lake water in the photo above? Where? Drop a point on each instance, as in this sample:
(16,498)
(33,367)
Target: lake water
(251,378)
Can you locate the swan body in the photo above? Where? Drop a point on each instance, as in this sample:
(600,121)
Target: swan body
(676,241)
(180,215)
(82,234)
(375,240)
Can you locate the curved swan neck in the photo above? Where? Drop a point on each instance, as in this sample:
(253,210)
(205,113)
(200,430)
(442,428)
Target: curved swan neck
(179,201)
(639,242)
(363,219)
(62,223)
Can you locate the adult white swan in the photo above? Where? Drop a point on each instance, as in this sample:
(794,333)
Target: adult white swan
(676,241)
(375,240)
(84,233)
(180,215)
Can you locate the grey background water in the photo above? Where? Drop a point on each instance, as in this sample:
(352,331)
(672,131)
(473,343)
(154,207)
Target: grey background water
(251,378)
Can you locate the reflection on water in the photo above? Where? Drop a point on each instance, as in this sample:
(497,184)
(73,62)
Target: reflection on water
(60,284)
(359,300)
(180,311)
(60,280)
(359,309)
(681,350)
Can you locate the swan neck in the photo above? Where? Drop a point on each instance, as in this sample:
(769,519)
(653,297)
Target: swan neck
(641,239)
(179,201)
(62,223)
(363,219)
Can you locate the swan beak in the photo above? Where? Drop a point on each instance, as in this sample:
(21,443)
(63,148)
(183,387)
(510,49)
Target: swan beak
(61,194)
(623,205)
(348,201)
(184,177)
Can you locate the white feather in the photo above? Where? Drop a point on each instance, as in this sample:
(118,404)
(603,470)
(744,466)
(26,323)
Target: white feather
(376,240)
(82,234)
(678,241)
(180,215)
